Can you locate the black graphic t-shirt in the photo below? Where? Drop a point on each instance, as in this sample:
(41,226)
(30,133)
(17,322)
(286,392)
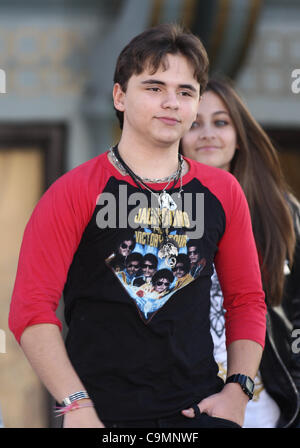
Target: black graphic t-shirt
(139,328)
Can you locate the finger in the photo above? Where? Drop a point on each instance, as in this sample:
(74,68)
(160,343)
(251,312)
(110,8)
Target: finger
(190,413)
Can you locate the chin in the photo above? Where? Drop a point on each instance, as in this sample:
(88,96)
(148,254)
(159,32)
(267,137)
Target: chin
(207,160)
(168,138)
(166,142)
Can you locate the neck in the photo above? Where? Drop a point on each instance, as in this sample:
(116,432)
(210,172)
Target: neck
(149,161)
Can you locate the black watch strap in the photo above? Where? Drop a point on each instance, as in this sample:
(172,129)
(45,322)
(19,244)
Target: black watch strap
(246,383)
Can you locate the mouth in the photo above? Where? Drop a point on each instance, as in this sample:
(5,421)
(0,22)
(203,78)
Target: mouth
(208,148)
(170,121)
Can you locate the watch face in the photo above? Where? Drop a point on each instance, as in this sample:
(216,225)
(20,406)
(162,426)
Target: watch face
(249,385)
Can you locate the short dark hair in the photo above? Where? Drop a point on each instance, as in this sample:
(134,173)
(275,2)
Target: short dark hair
(150,48)
(193,243)
(152,258)
(162,273)
(134,256)
(184,259)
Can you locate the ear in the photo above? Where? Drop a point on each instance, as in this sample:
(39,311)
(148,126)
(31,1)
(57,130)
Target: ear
(118,97)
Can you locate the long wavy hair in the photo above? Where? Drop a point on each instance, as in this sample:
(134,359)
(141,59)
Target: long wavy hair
(257,168)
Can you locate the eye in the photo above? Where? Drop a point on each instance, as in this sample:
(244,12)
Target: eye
(185,93)
(153,89)
(221,123)
(195,125)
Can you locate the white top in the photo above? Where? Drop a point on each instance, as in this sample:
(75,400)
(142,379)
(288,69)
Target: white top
(262,411)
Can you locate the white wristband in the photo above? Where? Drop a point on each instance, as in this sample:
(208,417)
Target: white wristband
(75,397)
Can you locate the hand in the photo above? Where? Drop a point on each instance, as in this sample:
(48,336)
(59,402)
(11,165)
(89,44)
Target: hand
(82,418)
(230,404)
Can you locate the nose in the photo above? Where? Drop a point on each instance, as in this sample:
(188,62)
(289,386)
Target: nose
(206,132)
(170,101)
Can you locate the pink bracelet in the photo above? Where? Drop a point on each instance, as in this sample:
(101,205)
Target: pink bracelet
(71,407)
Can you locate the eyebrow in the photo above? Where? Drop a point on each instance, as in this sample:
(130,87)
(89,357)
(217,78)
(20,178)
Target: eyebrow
(157,81)
(217,113)
(221,112)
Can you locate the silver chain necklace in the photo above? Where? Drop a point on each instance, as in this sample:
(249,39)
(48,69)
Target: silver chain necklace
(146,179)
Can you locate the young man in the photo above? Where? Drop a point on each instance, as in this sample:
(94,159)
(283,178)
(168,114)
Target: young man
(132,359)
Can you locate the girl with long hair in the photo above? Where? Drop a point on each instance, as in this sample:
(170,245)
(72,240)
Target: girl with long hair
(226,135)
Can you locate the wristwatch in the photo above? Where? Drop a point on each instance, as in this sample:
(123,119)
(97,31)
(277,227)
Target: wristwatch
(246,383)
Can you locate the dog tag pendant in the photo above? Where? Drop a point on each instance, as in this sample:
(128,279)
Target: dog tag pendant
(165,201)
(169,251)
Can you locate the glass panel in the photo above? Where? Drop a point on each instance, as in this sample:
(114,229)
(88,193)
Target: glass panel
(22,398)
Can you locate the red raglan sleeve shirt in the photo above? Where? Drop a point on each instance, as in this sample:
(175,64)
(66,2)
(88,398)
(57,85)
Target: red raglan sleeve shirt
(127,334)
